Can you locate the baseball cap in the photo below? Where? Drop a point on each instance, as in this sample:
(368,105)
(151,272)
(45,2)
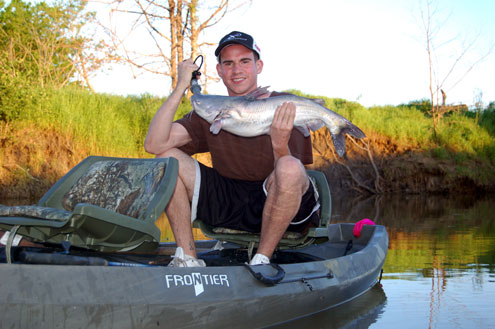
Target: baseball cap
(236,37)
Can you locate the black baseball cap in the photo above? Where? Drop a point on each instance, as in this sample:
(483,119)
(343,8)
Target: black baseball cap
(240,38)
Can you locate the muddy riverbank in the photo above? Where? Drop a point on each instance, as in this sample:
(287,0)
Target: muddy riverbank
(31,161)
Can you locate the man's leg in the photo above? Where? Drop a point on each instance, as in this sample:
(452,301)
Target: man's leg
(179,208)
(285,186)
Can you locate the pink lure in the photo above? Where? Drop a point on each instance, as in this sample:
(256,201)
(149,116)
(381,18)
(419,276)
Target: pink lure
(359,226)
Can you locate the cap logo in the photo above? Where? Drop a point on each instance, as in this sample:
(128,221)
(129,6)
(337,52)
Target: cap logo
(236,36)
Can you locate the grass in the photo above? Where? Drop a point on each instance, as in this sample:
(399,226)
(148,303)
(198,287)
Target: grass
(107,124)
(458,136)
(116,125)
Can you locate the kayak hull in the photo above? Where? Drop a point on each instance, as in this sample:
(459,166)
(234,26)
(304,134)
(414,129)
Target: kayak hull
(67,296)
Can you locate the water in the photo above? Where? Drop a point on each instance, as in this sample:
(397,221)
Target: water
(440,267)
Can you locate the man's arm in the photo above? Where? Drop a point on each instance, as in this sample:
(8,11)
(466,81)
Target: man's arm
(163,134)
(281,129)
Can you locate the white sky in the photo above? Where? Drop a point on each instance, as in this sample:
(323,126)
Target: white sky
(372,52)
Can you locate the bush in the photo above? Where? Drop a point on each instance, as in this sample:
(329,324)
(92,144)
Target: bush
(17,99)
(423,105)
(487,119)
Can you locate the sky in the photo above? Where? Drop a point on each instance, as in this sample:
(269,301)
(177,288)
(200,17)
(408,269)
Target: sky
(372,52)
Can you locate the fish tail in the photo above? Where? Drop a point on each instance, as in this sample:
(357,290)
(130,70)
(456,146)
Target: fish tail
(339,139)
(339,143)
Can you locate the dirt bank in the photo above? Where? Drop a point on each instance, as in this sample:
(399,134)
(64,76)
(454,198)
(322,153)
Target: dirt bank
(32,160)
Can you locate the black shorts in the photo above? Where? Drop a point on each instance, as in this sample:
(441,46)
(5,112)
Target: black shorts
(237,204)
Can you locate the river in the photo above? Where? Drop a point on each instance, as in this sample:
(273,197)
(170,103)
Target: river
(440,267)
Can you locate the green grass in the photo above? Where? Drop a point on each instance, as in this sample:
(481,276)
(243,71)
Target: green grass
(106,124)
(458,136)
(117,125)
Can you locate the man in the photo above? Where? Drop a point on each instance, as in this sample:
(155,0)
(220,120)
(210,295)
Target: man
(256,184)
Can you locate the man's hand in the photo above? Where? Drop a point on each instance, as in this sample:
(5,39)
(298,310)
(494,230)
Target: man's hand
(281,129)
(184,74)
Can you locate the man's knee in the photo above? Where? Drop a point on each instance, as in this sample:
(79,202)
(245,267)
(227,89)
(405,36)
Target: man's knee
(289,166)
(173,152)
(290,172)
(187,167)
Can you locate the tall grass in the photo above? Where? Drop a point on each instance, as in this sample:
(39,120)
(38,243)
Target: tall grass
(106,124)
(458,135)
(404,125)
(117,125)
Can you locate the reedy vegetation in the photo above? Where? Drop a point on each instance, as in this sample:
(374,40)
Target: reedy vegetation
(40,92)
(117,125)
(105,124)
(409,125)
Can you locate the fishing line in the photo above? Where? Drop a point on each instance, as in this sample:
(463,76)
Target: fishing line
(196,73)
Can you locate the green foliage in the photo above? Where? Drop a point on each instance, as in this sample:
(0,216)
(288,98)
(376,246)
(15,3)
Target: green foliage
(458,136)
(405,125)
(487,119)
(344,107)
(106,124)
(422,105)
(116,125)
(37,49)
(463,139)
(16,98)
(440,153)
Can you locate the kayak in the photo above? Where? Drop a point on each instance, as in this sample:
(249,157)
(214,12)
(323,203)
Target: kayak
(50,287)
(94,259)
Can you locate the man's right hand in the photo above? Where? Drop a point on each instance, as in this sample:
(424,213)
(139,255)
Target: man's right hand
(163,134)
(185,70)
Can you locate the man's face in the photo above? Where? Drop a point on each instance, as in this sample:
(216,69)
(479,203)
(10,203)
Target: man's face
(239,70)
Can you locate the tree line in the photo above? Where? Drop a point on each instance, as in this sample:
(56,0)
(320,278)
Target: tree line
(56,44)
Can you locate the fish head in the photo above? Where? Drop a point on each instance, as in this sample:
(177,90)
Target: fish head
(208,106)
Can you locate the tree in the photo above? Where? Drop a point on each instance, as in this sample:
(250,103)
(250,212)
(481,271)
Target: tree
(43,45)
(174,28)
(445,72)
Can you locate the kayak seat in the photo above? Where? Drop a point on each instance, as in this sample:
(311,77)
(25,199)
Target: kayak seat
(104,204)
(290,240)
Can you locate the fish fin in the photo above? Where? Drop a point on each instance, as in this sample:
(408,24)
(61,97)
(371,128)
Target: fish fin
(314,125)
(224,114)
(216,126)
(304,130)
(259,93)
(320,101)
(353,130)
(339,143)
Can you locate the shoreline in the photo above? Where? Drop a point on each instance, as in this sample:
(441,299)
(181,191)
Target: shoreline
(33,159)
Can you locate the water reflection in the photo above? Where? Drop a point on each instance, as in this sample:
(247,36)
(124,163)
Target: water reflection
(454,234)
(440,267)
(358,313)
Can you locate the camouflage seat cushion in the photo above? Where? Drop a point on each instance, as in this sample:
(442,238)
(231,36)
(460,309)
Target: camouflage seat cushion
(121,186)
(35,212)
